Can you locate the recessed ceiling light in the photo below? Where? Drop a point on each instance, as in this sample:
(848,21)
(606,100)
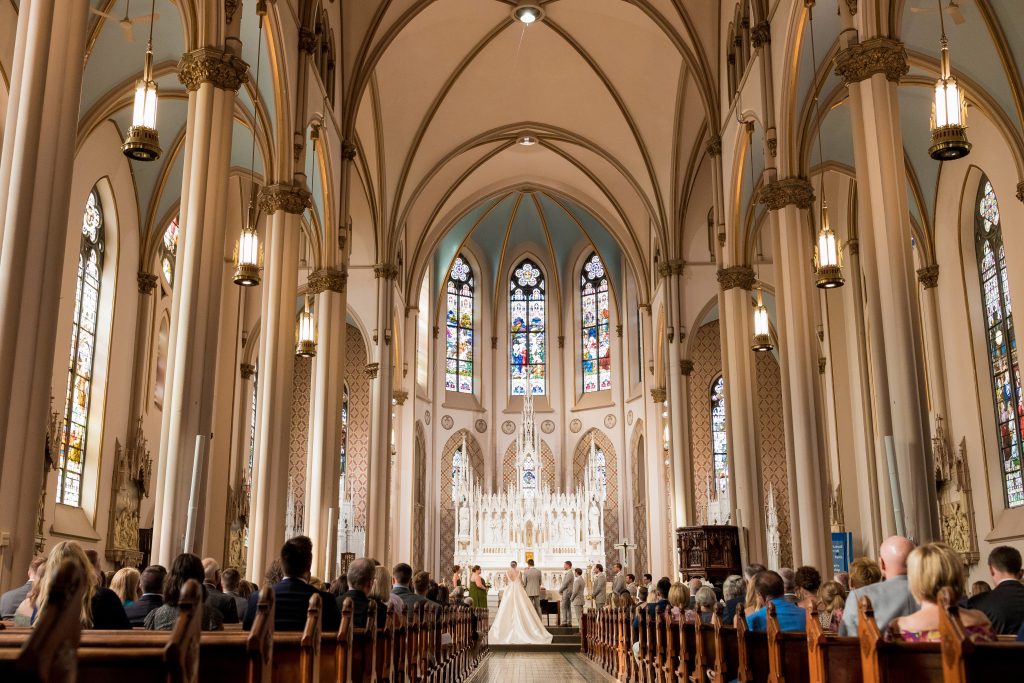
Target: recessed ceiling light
(527,140)
(527,13)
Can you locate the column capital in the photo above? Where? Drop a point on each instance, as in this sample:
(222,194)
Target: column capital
(686,367)
(671,267)
(388,271)
(761,34)
(307,40)
(658,394)
(328,280)
(928,276)
(287,198)
(786,191)
(348,150)
(852,6)
(230,7)
(822,362)
(247,370)
(644,308)
(1020,191)
(372,369)
(736,276)
(400,396)
(853,245)
(714,146)
(863,60)
(224,70)
(147,282)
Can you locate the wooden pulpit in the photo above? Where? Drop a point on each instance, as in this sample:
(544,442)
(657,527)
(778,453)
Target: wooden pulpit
(709,552)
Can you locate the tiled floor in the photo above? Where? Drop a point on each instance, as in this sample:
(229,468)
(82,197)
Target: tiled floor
(529,667)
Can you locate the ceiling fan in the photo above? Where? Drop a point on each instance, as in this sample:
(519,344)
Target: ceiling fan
(952,10)
(127,24)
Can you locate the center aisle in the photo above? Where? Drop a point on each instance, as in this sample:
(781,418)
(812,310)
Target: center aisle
(531,667)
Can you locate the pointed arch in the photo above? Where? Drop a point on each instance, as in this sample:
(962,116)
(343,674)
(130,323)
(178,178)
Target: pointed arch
(638,470)
(595,325)
(460,297)
(527,316)
(605,450)
(451,453)
(547,466)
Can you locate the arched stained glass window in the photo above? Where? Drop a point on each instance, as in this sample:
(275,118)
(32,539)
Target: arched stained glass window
(719,440)
(595,336)
(71,462)
(598,465)
(423,333)
(526,322)
(1002,342)
(458,465)
(458,374)
(343,456)
(169,251)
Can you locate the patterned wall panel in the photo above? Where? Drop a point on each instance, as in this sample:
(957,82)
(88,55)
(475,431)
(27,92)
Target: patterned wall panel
(773,447)
(419,498)
(706,354)
(611,507)
(358,422)
(299,434)
(639,487)
(447,504)
(547,464)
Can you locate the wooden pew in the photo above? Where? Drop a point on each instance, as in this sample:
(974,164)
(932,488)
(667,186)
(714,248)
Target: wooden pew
(751,653)
(831,658)
(364,650)
(965,660)
(726,658)
(296,656)
(787,651)
(336,649)
(897,662)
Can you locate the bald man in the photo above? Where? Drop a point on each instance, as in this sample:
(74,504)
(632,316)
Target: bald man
(891,598)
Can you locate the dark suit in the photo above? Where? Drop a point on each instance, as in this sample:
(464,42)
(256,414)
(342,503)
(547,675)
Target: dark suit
(138,610)
(409,597)
(361,608)
(652,612)
(107,611)
(225,604)
(291,603)
(1003,605)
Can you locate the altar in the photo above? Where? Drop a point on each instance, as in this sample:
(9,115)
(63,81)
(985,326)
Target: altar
(528,519)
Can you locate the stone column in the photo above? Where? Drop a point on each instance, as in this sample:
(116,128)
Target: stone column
(329,286)
(786,200)
(282,205)
(378,498)
(35,191)
(143,337)
(212,78)
(740,381)
(871,69)
(928,276)
(682,472)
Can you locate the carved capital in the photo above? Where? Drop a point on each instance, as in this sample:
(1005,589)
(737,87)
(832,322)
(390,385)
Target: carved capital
(854,246)
(147,282)
(328,280)
(388,271)
(671,267)
(644,308)
(822,362)
(714,146)
(686,367)
(658,394)
(561,341)
(208,65)
(307,40)
(787,191)
(230,7)
(863,60)
(400,396)
(928,276)
(372,369)
(852,6)
(761,34)
(287,198)
(247,370)
(736,276)
(773,143)
(437,333)
(1020,191)
(618,330)
(348,151)
(494,342)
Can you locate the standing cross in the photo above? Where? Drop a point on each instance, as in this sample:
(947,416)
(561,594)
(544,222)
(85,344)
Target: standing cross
(624,549)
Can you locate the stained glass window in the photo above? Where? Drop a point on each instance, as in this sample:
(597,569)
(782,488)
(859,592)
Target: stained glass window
(719,440)
(526,322)
(169,250)
(599,468)
(458,374)
(458,463)
(71,461)
(252,438)
(596,335)
(1002,342)
(423,333)
(343,456)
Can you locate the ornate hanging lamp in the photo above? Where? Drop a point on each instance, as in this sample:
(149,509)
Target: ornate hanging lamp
(143,141)
(762,332)
(949,110)
(305,332)
(248,251)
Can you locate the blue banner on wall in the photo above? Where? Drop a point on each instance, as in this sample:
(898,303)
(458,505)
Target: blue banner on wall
(842,550)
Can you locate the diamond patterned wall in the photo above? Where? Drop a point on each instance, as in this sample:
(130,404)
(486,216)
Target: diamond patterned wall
(773,447)
(611,506)
(419,498)
(706,354)
(447,505)
(299,434)
(358,422)
(637,469)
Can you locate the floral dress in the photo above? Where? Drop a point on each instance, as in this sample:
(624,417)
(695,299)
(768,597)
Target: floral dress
(979,633)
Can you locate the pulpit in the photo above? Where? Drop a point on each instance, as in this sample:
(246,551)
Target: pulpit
(709,552)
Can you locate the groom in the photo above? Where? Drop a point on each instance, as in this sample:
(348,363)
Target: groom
(532,579)
(565,590)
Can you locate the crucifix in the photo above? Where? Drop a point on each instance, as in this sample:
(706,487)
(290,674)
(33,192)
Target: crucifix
(624,549)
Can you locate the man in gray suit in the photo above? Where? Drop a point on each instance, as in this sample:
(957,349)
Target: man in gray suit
(890,598)
(565,591)
(599,586)
(10,600)
(531,580)
(579,590)
(618,579)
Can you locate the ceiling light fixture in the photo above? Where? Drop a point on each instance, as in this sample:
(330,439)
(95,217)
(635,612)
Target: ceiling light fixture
(527,140)
(949,110)
(143,141)
(527,13)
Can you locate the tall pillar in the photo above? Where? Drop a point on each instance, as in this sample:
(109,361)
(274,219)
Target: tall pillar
(928,276)
(329,286)
(740,382)
(212,78)
(786,200)
(682,472)
(378,498)
(143,337)
(35,191)
(871,69)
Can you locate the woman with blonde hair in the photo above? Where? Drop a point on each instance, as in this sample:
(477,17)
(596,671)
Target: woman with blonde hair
(381,592)
(101,608)
(127,584)
(931,568)
(679,599)
(832,600)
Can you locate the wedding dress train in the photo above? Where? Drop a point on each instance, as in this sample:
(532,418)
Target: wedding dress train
(517,622)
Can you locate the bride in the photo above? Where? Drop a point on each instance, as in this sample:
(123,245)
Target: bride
(517,621)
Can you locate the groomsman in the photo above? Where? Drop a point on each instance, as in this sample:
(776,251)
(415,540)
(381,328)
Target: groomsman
(565,590)
(599,586)
(618,579)
(579,591)
(531,580)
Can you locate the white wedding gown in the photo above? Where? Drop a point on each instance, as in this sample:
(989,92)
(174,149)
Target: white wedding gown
(517,622)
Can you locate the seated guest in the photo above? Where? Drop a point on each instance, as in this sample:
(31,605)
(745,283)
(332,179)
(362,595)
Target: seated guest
(930,568)
(641,594)
(381,592)
(101,608)
(360,581)
(231,581)
(26,611)
(292,593)
(843,579)
(979,587)
(215,599)
(402,576)
(831,600)
(789,584)
(863,572)
(679,599)
(339,586)
(185,566)
(770,587)
(1004,604)
(126,585)
(694,585)
(808,581)
(890,598)
(274,573)
(706,601)
(658,599)
(10,600)
(94,560)
(751,601)
(152,584)
(733,590)
(421,583)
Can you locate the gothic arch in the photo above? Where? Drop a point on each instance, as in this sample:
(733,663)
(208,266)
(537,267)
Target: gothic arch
(638,469)
(547,464)
(476,461)
(611,506)
(419,498)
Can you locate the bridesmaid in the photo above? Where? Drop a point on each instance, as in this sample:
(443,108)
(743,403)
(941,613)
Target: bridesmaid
(477,588)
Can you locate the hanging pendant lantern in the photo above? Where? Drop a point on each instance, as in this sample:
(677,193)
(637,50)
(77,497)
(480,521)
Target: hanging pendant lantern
(143,141)
(762,332)
(248,253)
(949,114)
(305,333)
(828,257)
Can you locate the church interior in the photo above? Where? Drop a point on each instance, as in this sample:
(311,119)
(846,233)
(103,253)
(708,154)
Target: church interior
(461,282)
